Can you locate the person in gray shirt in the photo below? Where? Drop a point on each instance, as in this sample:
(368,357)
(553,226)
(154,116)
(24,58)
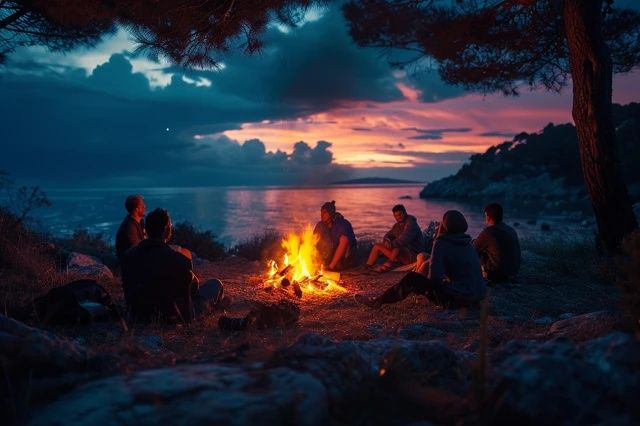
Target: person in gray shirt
(401,244)
(498,247)
(452,278)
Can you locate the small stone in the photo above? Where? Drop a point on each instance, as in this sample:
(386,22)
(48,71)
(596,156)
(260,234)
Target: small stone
(543,321)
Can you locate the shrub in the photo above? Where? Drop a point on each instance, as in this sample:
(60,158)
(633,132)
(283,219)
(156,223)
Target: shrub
(203,243)
(257,247)
(82,241)
(29,264)
(568,257)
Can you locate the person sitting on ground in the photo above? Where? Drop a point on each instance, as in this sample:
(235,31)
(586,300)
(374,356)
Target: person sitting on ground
(452,278)
(401,244)
(498,247)
(158,281)
(336,240)
(131,230)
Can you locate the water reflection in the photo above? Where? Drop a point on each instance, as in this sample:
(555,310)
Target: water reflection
(235,214)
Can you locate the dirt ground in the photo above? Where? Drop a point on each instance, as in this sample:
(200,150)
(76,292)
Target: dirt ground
(520,311)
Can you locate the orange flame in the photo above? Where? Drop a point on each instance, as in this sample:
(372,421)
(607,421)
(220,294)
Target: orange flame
(301,265)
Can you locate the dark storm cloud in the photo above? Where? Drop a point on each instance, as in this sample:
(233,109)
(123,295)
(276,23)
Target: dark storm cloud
(448,157)
(433,134)
(111,127)
(117,76)
(394,146)
(361,129)
(498,134)
(67,129)
(432,88)
(316,67)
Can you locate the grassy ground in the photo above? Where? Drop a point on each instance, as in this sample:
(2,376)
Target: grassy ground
(564,279)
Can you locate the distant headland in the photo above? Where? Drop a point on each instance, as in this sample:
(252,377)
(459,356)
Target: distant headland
(374,181)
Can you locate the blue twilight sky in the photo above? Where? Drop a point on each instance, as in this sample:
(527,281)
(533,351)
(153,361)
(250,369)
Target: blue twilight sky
(311,108)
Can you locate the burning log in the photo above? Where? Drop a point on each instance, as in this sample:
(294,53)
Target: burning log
(284,270)
(331,275)
(301,271)
(297,290)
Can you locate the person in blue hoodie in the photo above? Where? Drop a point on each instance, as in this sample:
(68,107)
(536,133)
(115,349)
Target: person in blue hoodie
(452,277)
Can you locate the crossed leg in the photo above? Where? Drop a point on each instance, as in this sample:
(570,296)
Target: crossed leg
(379,249)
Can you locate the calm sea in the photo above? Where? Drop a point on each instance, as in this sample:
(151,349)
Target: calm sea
(237,213)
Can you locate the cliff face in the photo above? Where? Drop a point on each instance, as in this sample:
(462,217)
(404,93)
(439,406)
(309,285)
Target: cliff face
(542,165)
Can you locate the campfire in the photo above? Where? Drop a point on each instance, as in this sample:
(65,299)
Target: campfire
(300,269)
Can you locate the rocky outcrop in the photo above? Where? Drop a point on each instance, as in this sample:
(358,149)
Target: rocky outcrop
(89,267)
(557,382)
(541,186)
(24,348)
(540,166)
(195,394)
(318,381)
(586,326)
(311,383)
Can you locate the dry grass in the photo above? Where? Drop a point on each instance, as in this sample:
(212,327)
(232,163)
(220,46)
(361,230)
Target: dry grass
(554,280)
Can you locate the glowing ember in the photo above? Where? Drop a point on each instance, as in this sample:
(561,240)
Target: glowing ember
(301,267)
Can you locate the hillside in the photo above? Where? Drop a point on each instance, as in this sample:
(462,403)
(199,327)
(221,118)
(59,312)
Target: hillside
(374,181)
(542,165)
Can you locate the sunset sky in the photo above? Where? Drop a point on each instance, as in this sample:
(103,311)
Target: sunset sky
(311,108)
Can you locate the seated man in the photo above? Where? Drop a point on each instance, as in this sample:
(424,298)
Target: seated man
(498,247)
(158,281)
(131,230)
(401,244)
(336,240)
(452,278)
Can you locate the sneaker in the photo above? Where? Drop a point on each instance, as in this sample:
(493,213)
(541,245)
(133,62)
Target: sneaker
(370,302)
(233,324)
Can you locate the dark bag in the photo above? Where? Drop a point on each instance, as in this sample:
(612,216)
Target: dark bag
(78,302)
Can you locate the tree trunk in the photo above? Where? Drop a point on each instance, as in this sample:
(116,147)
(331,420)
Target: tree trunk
(592,72)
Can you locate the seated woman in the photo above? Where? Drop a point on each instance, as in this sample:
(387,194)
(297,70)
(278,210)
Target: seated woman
(452,278)
(336,240)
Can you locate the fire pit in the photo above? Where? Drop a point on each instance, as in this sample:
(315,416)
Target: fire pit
(300,270)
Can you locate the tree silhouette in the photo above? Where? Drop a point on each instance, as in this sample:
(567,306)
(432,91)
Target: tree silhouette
(27,23)
(501,45)
(187,32)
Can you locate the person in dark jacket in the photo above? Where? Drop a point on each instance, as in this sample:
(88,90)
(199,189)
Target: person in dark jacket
(401,244)
(158,281)
(452,277)
(498,247)
(131,230)
(336,239)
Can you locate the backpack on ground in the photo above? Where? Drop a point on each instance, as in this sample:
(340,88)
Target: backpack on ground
(78,302)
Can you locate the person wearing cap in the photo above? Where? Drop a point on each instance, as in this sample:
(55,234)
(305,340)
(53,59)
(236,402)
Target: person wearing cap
(131,230)
(452,278)
(401,244)
(336,239)
(498,247)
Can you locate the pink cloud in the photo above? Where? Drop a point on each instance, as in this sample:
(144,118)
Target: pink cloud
(362,131)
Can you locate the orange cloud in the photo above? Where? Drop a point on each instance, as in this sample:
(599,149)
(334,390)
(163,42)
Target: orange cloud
(359,130)
(364,133)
